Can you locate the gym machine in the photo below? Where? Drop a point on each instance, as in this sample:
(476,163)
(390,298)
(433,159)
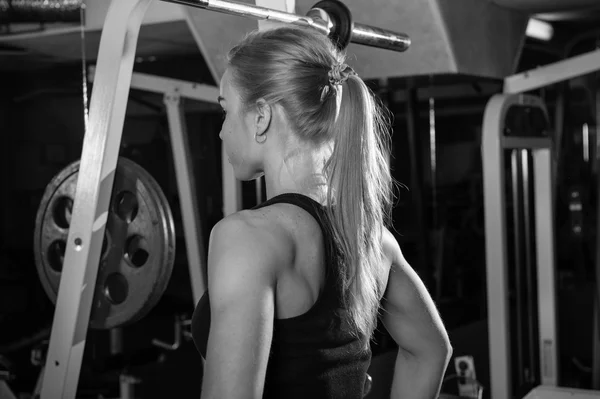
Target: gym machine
(519,122)
(98,165)
(175,92)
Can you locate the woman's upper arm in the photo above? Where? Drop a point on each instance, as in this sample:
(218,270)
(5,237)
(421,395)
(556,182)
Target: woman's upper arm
(241,283)
(409,313)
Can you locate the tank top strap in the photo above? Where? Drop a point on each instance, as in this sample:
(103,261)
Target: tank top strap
(319,213)
(316,210)
(305,202)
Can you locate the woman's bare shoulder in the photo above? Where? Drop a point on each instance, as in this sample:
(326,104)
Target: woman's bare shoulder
(391,248)
(267,226)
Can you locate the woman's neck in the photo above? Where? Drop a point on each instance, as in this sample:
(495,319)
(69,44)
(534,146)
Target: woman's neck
(298,171)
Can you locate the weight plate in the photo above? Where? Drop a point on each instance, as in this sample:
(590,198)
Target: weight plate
(341,17)
(138,250)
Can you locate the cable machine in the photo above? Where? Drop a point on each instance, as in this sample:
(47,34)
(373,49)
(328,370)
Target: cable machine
(520,248)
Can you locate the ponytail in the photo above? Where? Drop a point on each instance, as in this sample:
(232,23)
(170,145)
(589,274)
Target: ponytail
(360,199)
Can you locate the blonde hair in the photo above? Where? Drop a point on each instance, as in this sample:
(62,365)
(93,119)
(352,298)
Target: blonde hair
(290,66)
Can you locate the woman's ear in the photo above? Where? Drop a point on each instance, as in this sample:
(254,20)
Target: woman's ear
(264,113)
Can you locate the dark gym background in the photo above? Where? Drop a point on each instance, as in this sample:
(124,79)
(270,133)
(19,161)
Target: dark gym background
(439,223)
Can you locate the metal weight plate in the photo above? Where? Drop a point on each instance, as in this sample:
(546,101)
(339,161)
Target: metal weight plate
(138,250)
(341,17)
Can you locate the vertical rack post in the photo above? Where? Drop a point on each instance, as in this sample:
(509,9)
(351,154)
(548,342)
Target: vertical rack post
(546,268)
(94,186)
(495,141)
(186,185)
(496,248)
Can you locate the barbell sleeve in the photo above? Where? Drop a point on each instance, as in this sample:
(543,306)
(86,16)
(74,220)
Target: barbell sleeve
(361,34)
(380,38)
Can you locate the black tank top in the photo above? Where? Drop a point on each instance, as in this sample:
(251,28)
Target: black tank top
(313,355)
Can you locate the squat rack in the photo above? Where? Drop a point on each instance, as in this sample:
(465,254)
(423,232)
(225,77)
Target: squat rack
(113,78)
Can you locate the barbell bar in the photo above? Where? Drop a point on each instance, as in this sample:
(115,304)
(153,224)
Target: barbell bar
(361,34)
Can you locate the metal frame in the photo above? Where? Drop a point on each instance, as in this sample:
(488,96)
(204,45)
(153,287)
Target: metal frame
(99,157)
(90,210)
(173,90)
(186,185)
(553,73)
(113,79)
(493,145)
(232,193)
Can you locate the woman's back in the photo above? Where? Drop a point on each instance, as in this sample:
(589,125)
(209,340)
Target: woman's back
(314,352)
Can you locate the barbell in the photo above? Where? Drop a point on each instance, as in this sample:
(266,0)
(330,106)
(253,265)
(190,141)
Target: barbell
(331,17)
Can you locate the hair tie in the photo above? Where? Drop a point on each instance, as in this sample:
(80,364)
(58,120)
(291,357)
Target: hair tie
(339,73)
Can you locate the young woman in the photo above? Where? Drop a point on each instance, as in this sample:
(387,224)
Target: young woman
(296,284)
